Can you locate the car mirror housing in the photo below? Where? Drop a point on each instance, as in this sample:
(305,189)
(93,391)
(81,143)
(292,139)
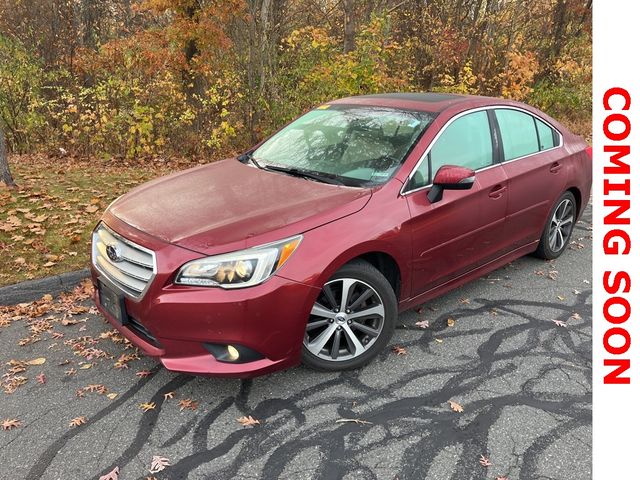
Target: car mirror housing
(450,177)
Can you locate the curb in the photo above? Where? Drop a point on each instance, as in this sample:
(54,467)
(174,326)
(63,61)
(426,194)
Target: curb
(34,289)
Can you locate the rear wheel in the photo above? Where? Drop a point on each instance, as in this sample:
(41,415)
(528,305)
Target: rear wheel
(352,319)
(558,228)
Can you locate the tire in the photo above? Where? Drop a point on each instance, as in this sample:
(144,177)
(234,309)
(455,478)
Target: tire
(558,229)
(362,325)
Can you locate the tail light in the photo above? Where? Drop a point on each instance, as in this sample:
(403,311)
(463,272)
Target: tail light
(589,150)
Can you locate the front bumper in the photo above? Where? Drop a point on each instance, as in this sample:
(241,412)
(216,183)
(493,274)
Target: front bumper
(269,319)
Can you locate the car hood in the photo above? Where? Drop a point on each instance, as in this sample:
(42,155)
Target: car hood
(211,206)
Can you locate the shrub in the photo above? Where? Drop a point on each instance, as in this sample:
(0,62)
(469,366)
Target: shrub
(22,101)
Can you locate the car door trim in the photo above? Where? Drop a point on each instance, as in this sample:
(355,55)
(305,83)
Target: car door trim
(488,108)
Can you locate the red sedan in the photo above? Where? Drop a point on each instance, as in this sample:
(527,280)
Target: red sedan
(307,246)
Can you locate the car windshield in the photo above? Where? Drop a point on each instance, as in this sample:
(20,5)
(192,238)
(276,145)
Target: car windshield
(352,145)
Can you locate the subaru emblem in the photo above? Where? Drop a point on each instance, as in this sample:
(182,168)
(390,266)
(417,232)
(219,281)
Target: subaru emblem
(114,254)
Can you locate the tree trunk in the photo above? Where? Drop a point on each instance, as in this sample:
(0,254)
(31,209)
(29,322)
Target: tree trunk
(560,27)
(89,27)
(192,81)
(349,25)
(5,173)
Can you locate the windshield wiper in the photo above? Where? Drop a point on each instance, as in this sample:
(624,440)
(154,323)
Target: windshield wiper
(297,172)
(249,157)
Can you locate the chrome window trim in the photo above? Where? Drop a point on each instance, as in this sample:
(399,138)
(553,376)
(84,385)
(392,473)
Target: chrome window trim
(105,277)
(423,157)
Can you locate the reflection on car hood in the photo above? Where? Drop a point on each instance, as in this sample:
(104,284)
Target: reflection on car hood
(227,201)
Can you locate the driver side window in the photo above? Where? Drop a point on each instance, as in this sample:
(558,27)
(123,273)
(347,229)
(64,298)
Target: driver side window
(466,143)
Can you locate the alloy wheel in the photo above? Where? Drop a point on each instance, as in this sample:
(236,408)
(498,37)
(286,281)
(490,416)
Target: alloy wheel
(561,225)
(345,321)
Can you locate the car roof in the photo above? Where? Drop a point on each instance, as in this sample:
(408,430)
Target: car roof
(427,101)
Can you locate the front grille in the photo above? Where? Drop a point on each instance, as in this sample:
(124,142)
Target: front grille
(126,264)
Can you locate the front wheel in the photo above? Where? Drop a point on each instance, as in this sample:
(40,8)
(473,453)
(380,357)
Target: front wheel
(558,228)
(352,319)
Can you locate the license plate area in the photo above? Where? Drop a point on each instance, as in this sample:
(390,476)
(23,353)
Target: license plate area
(113,303)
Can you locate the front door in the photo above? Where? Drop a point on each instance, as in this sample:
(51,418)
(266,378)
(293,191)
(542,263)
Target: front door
(466,228)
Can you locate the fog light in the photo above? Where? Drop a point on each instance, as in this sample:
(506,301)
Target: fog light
(233,353)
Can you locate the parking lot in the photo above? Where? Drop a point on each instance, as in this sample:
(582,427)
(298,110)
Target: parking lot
(511,350)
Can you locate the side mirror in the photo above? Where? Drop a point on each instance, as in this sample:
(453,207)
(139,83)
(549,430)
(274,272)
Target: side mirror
(450,177)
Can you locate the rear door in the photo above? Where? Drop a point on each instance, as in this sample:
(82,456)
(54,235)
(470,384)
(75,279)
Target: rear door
(533,162)
(465,228)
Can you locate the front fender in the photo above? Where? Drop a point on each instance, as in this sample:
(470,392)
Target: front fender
(382,226)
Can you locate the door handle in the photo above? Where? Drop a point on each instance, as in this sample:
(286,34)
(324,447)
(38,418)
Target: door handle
(497,191)
(555,167)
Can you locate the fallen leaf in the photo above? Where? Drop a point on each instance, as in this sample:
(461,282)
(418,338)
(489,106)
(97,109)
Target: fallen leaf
(560,297)
(422,324)
(96,387)
(143,373)
(502,478)
(465,301)
(484,461)
(456,407)
(576,292)
(112,475)
(553,274)
(8,424)
(248,421)
(187,403)
(49,264)
(451,322)
(91,209)
(41,378)
(76,422)
(399,350)
(576,316)
(86,366)
(112,396)
(169,395)
(147,406)
(439,340)
(560,323)
(36,361)
(353,420)
(158,464)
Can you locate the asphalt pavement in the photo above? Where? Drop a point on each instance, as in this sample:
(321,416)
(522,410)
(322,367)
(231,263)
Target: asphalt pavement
(512,349)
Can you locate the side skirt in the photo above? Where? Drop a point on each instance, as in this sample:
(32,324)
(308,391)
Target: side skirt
(468,276)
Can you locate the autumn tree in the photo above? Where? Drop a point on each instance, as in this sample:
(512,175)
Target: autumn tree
(5,173)
(140,78)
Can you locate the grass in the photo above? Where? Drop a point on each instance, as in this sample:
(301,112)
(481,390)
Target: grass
(46,223)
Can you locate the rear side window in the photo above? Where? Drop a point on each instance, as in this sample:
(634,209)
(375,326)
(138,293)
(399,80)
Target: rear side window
(549,138)
(518,130)
(522,134)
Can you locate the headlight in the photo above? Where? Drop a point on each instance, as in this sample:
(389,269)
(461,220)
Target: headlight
(238,269)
